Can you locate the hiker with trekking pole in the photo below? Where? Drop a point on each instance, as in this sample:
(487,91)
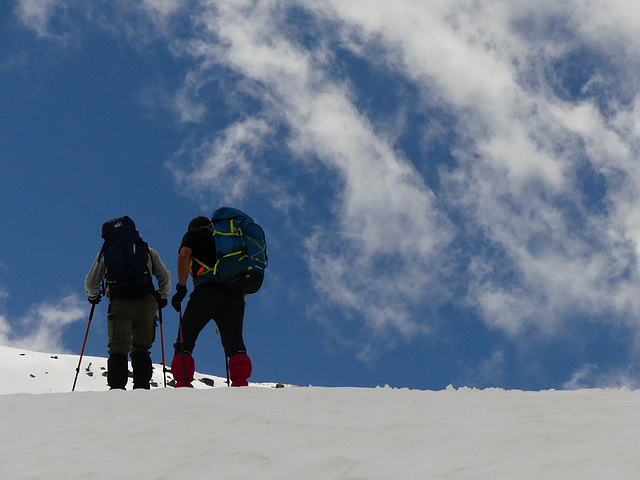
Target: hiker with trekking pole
(127,264)
(225,257)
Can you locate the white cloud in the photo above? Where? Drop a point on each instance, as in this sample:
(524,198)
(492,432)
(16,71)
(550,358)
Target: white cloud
(183,103)
(5,328)
(224,165)
(36,14)
(139,21)
(515,184)
(533,243)
(41,329)
(376,259)
(516,180)
(490,371)
(162,8)
(592,376)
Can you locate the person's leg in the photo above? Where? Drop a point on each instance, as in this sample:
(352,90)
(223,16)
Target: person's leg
(117,371)
(230,321)
(142,370)
(119,324)
(142,338)
(195,317)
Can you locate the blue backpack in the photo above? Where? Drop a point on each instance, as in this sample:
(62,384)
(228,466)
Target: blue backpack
(241,252)
(125,256)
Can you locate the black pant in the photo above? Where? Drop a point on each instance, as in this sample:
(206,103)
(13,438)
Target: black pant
(211,302)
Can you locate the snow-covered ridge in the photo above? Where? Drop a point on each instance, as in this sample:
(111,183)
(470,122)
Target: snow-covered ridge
(24,371)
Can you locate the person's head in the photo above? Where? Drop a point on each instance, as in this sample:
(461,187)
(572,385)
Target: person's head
(198,221)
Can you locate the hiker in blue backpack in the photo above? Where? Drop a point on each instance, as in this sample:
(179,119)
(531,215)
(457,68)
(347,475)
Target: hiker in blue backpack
(215,296)
(127,264)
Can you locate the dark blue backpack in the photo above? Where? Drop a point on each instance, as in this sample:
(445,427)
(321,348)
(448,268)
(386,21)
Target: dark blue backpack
(241,252)
(126,256)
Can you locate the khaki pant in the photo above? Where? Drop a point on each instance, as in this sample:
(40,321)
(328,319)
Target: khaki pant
(131,324)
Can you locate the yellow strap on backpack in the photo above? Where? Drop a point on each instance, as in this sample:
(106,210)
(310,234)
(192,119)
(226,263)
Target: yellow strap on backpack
(234,232)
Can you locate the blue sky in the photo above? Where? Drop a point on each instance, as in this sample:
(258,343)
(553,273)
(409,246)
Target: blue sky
(449,190)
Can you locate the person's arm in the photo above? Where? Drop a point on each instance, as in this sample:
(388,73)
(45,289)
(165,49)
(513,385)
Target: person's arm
(94,277)
(162,274)
(184,260)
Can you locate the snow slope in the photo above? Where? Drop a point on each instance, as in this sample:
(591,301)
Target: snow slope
(305,432)
(23,371)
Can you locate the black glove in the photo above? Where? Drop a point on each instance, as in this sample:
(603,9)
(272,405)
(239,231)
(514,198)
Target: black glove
(162,302)
(95,300)
(176,300)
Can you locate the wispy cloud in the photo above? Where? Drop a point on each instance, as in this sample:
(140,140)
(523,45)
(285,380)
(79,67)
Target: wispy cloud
(36,14)
(592,376)
(357,262)
(41,329)
(489,372)
(539,246)
(183,104)
(224,165)
(528,214)
(549,251)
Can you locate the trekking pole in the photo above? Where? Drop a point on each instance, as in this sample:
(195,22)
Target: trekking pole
(184,368)
(226,359)
(164,366)
(226,364)
(93,307)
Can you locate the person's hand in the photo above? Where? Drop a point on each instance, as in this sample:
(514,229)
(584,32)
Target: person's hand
(162,302)
(176,300)
(95,300)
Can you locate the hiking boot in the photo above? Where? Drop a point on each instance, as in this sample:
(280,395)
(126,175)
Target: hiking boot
(142,370)
(177,367)
(117,371)
(239,369)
